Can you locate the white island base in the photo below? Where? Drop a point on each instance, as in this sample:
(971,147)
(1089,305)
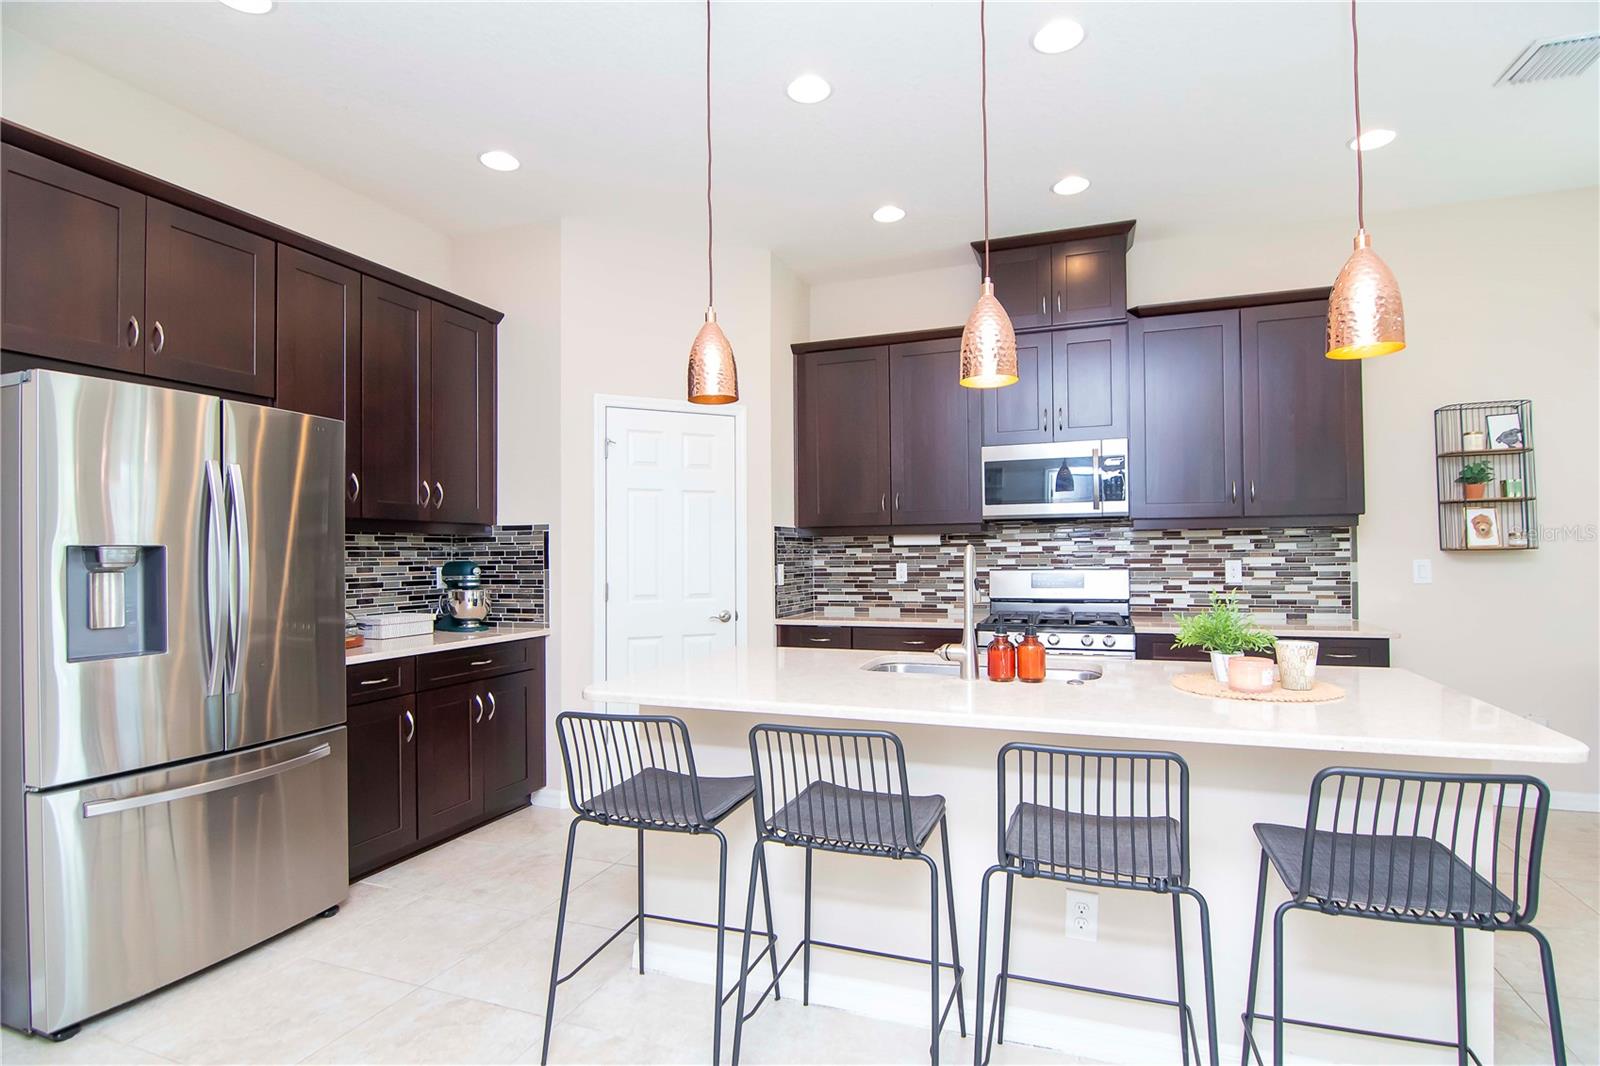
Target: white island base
(1362,973)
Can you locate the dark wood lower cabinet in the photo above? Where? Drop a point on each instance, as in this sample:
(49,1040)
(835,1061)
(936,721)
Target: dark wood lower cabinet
(428,765)
(867,638)
(1331,651)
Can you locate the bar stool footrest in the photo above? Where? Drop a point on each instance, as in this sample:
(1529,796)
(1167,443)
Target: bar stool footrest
(1249,1017)
(960,971)
(674,919)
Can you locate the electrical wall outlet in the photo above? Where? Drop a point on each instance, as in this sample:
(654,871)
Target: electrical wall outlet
(780,573)
(899,571)
(1422,571)
(1083,915)
(438,577)
(1233,571)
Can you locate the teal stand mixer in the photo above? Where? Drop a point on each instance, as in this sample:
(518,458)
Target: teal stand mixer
(464,607)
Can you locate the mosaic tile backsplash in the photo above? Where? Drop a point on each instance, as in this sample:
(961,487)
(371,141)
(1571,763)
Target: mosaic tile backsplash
(1289,574)
(394,571)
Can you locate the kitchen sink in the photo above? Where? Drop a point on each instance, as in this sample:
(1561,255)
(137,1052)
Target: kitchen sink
(914,666)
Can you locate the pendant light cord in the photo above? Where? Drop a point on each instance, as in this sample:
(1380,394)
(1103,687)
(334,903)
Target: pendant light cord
(711,284)
(1355,63)
(983,76)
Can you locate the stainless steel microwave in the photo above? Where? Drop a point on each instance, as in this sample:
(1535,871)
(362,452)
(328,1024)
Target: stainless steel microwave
(1083,478)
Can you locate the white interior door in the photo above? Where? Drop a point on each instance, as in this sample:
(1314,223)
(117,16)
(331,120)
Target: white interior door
(671,564)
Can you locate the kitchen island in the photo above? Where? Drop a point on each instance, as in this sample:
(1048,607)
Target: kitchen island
(1249,762)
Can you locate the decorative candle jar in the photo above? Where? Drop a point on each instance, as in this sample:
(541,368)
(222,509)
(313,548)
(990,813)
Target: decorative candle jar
(1297,664)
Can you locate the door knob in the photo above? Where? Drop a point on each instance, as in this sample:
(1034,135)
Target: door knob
(722,616)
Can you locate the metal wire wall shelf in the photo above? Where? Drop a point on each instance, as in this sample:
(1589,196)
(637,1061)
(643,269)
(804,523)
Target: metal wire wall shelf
(1499,434)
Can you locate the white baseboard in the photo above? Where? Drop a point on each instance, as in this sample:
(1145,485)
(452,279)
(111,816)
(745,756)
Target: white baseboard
(1587,802)
(552,796)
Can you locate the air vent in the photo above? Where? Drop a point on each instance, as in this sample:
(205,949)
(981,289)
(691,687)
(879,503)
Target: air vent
(1556,57)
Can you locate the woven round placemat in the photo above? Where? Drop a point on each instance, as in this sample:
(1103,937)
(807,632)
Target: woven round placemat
(1206,685)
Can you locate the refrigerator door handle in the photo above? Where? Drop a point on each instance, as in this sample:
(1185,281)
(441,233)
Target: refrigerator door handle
(210,557)
(239,611)
(96,808)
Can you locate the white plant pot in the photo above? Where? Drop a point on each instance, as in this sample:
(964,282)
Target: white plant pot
(1219,665)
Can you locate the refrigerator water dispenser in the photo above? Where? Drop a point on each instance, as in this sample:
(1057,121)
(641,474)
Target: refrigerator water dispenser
(116,601)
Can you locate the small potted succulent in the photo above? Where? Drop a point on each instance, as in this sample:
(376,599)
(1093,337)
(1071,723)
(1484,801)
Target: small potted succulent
(1224,631)
(1474,479)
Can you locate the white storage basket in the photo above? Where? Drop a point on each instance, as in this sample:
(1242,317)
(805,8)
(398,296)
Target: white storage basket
(394,624)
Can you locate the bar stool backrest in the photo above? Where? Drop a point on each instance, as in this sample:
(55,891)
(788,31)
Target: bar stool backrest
(1096,816)
(851,787)
(1384,841)
(630,769)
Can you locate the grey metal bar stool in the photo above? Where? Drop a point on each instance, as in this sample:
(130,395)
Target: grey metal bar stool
(1462,851)
(1107,819)
(638,772)
(847,791)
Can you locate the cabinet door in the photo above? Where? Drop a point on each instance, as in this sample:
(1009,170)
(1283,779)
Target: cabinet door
(394,401)
(935,436)
(319,350)
(1184,447)
(511,739)
(1090,281)
(383,781)
(1022,413)
(1023,284)
(1302,415)
(1090,382)
(73,264)
(449,779)
(461,401)
(209,294)
(842,437)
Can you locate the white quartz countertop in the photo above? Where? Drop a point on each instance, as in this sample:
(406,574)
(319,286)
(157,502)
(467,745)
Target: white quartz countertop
(1385,711)
(1168,622)
(399,647)
(881,617)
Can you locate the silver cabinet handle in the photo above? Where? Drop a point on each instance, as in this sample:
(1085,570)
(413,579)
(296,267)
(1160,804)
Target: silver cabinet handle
(1338,655)
(95,808)
(427,494)
(1044,308)
(1058,303)
(1233,493)
(1252,489)
(477,701)
(481,662)
(411,730)
(240,613)
(214,550)
(897,501)
(439,488)
(133,331)
(722,616)
(883,502)
(375,681)
(491,705)
(355,487)
(914,643)
(158,337)
(820,640)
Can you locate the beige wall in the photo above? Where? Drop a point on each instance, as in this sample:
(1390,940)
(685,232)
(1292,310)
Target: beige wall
(791,310)
(1502,301)
(44,90)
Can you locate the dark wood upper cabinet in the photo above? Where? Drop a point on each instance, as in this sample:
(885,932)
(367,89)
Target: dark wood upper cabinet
(1023,413)
(1090,382)
(210,299)
(935,436)
(382,781)
(1024,283)
(1302,415)
(394,396)
(1184,441)
(461,452)
(512,738)
(1090,281)
(73,264)
(449,777)
(842,437)
(319,350)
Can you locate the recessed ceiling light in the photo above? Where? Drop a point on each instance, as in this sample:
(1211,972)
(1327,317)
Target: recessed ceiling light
(1057,36)
(1071,185)
(250,7)
(888,213)
(809,89)
(498,160)
(1371,139)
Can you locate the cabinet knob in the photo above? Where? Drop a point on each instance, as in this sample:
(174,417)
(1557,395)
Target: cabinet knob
(158,337)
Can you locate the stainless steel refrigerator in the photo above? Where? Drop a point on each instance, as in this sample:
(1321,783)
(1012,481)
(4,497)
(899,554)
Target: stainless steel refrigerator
(172,741)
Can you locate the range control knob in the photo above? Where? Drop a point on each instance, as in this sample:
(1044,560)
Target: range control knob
(1052,639)
(1088,641)
(1108,640)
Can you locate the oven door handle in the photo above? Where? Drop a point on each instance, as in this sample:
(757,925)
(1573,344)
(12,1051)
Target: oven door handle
(1094,463)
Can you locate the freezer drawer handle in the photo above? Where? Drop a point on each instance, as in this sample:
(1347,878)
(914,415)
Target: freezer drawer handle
(95,808)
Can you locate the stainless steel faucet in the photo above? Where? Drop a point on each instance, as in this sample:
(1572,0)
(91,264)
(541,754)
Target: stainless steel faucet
(967,652)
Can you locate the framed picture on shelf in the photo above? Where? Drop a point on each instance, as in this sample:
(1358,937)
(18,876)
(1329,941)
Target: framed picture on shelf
(1483,528)
(1505,431)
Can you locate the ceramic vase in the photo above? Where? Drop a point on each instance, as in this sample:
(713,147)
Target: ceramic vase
(1219,665)
(1297,664)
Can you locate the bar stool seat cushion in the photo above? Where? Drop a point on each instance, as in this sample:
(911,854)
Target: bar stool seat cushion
(660,796)
(829,813)
(1378,872)
(1124,846)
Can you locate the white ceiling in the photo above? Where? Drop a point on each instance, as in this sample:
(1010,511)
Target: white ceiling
(1180,114)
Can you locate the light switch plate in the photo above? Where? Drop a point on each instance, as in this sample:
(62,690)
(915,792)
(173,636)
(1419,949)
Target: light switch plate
(780,573)
(1233,571)
(1422,571)
(899,571)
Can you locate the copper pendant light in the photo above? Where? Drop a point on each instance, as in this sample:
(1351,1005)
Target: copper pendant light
(713,377)
(1365,316)
(988,343)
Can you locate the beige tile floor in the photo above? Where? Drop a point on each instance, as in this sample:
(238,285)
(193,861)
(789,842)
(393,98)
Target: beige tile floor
(445,958)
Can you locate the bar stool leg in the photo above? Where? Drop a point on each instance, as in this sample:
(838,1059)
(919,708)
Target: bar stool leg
(1001,981)
(1461,997)
(1277,981)
(1183,993)
(1255,962)
(555,954)
(981,1040)
(772,930)
(756,864)
(1211,989)
(933,955)
(805,947)
(1558,1038)
(955,943)
(640,869)
(722,933)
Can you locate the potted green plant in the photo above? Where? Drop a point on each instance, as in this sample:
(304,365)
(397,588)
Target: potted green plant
(1225,631)
(1474,479)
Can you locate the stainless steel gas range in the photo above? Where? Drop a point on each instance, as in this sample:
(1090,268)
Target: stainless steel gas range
(1076,612)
